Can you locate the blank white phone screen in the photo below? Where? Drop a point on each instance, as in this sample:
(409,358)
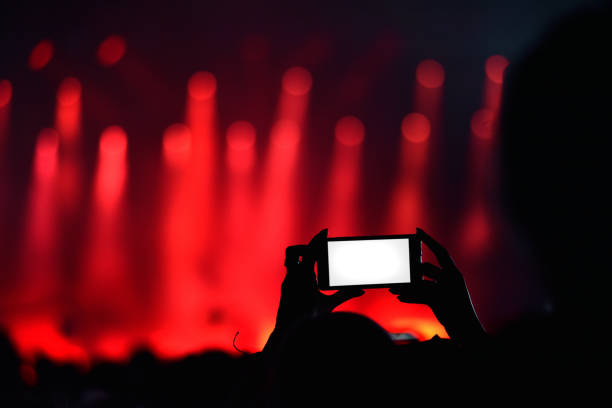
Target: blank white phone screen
(368,261)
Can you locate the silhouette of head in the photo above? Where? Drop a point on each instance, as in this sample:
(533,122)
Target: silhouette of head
(335,358)
(554,157)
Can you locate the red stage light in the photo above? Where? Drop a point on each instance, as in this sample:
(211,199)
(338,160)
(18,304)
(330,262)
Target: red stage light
(113,142)
(482,123)
(46,153)
(416,127)
(285,133)
(69,92)
(350,131)
(241,135)
(6,92)
(240,142)
(495,68)
(430,74)
(177,143)
(202,85)
(111,50)
(41,55)
(297,81)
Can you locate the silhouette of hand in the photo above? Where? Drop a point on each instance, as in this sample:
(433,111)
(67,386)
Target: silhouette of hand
(445,292)
(300,296)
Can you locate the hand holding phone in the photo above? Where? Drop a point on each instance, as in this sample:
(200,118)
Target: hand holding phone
(367,261)
(445,292)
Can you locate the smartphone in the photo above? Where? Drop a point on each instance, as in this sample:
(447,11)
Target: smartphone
(368,262)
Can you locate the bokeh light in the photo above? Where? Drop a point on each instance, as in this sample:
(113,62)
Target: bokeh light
(430,73)
(350,131)
(416,127)
(482,123)
(202,86)
(113,141)
(6,92)
(495,68)
(241,135)
(297,81)
(240,142)
(69,92)
(285,133)
(177,143)
(111,50)
(41,55)
(46,152)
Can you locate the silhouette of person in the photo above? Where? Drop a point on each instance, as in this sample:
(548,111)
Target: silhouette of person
(555,164)
(363,359)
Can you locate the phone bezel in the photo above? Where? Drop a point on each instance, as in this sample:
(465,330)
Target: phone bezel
(415,250)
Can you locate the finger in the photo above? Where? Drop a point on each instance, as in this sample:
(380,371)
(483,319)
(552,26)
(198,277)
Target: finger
(430,271)
(397,289)
(423,293)
(318,239)
(441,253)
(342,296)
(293,254)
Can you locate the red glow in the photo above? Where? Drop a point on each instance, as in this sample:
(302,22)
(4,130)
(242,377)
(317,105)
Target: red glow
(344,177)
(476,230)
(46,153)
(241,135)
(111,50)
(177,144)
(69,92)
(111,174)
(240,142)
(495,68)
(483,123)
(430,74)
(202,86)
(297,81)
(285,133)
(28,374)
(350,131)
(416,127)
(68,110)
(28,334)
(113,142)
(40,55)
(6,92)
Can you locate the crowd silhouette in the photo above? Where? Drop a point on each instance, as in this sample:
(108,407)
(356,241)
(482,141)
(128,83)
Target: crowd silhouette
(554,170)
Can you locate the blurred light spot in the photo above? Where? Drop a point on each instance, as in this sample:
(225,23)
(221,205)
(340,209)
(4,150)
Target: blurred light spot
(297,81)
(41,55)
(202,85)
(416,127)
(240,141)
(241,135)
(177,143)
(69,92)
(111,50)
(6,92)
(46,153)
(482,123)
(477,231)
(113,142)
(285,133)
(350,131)
(495,68)
(430,74)
(28,374)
